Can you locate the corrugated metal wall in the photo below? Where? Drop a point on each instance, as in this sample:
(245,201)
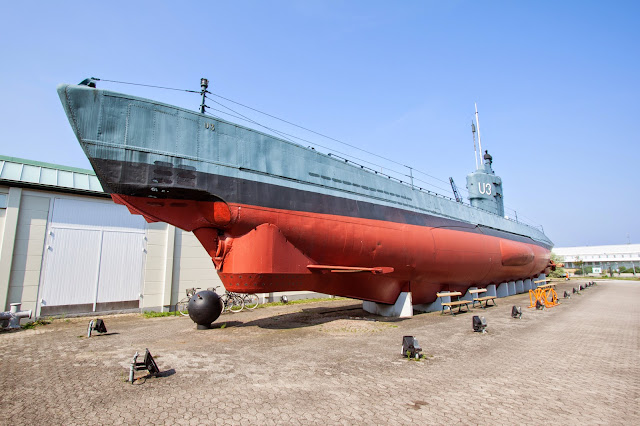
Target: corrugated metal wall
(121,264)
(71,266)
(94,258)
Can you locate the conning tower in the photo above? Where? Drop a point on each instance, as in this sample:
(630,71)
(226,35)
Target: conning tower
(485,188)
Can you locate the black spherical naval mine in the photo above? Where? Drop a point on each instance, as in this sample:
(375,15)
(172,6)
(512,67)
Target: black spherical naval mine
(204,308)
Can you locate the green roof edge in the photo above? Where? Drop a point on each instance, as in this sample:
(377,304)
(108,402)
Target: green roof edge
(48,165)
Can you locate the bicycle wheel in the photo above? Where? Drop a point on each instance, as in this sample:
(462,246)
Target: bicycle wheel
(237,304)
(251,301)
(227,302)
(182,307)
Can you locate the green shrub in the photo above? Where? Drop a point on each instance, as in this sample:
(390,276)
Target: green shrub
(300,301)
(558,273)
(34,324)
(154,314)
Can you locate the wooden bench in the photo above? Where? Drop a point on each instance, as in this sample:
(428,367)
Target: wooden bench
(484,299)
(459,303)
(545,283)
(548,285)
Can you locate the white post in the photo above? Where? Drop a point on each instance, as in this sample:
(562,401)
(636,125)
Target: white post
(95,299)
(167,289)
(475,151)
(478,125)
(7,242)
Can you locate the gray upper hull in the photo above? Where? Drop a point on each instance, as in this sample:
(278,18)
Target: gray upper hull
(114,127)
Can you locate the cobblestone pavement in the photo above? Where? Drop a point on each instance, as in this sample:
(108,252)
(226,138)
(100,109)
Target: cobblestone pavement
(331,363)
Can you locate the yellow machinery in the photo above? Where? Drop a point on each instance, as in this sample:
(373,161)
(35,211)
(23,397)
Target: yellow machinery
(545,294)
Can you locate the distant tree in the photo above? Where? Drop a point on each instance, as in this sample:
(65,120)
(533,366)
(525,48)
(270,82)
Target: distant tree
(557,258)
(579,264)
(559,272)
(586,269)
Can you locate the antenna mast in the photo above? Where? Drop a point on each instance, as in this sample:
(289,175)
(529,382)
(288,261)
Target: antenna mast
(475,151)
(455,190)
(204,84)
(478,124)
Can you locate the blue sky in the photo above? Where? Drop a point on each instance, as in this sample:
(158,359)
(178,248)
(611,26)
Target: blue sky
(556,84)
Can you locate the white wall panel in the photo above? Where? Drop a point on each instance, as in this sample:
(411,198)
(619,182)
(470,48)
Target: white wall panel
(75,213)
(121,264)
(71,266)
(193,266)
(95,254)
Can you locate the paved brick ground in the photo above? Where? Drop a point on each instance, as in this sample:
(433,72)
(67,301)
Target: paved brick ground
(331,363)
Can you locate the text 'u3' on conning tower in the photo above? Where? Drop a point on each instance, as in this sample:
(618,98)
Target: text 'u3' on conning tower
(485,188)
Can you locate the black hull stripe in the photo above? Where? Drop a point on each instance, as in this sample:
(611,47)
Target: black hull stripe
(138,179)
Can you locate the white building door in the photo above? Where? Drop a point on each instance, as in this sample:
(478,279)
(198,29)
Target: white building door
(94,258)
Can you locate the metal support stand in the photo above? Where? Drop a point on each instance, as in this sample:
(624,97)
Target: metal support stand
(410,347)
(479,324)
(516,312)
(148,364)
(97,325)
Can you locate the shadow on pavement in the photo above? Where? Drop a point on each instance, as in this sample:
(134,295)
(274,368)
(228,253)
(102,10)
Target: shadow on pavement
(308,317)
(166,373)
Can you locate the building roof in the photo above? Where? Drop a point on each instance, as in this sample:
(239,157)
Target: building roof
(609,253)
(46,175)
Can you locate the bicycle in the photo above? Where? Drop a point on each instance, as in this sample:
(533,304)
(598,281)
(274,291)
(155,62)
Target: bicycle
(183,305)
(251,301)
(231,302)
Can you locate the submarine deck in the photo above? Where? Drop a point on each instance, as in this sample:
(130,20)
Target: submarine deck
(332,363)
